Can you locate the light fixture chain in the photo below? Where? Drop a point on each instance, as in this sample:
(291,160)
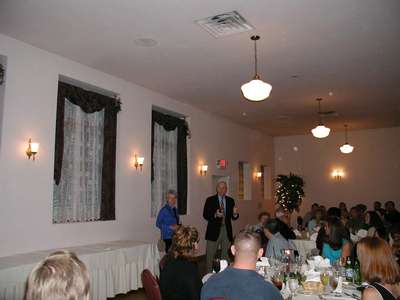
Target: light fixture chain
(255,57)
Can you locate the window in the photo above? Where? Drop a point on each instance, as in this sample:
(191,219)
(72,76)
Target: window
(244,181)
(169,160)
(84,163)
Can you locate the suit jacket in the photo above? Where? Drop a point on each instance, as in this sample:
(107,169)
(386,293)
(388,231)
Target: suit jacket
(214,224)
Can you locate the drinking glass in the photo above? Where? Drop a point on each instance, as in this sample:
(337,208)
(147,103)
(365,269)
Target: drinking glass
(293,285)
(324,278)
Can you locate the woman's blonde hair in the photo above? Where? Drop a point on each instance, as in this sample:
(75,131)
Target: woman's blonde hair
(184,240)
(61,276)
(377,261)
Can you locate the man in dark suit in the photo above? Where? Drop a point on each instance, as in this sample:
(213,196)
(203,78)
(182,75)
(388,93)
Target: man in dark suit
(219,210)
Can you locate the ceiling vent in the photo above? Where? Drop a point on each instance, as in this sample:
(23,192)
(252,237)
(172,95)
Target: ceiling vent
(225,24)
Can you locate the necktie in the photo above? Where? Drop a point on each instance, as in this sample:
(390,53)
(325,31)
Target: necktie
(222,206)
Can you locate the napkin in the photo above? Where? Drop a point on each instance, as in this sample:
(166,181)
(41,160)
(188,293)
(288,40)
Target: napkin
(314,236)
(297,233)
(285,292)
(312,275)
(319,262)
(223,264)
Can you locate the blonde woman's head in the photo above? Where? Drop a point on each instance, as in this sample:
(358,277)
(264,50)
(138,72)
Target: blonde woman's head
(185,241)
(60,276)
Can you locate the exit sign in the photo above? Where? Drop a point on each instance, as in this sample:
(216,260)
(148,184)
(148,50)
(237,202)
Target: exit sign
(222,164)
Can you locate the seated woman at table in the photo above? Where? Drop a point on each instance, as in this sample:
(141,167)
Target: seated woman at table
(180,278)
(374,225)
(316,222)
(379,268)
(61,276)
(277,243)
(336,243)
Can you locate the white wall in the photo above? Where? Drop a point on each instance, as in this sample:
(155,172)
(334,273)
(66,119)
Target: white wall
(371,171)
(26,186)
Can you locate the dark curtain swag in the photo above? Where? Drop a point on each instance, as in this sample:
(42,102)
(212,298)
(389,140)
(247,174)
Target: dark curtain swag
(171,123)
(91,102)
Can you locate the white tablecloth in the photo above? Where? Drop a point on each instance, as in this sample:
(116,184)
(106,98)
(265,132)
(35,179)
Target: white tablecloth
(114,268)
(304,247)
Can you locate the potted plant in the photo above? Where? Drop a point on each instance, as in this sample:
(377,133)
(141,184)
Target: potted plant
(289,191)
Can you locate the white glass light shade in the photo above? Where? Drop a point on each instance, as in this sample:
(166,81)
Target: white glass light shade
(256,90)
(259,174)
(346,148)
(35,147)
(140,160)
(320,131)
(204,168)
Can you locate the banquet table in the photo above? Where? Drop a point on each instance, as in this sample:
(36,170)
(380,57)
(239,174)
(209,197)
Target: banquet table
(114,267)
(304,247)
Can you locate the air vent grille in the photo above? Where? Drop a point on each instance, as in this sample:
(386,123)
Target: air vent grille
(225,24)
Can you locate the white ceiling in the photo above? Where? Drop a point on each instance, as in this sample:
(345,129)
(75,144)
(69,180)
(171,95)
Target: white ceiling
(348,47)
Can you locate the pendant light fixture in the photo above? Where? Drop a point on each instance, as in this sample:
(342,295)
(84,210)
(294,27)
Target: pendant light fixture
(346,148)
(320,131)
(256,89)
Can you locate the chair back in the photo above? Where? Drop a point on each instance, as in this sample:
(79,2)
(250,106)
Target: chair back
(150,285)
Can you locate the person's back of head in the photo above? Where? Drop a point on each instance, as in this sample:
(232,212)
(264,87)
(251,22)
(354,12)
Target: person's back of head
(60,276)
(336,233)
(377,262)
(334,212)
(273,226)
(247,249)
(389,205)
(362,208)
(184,242)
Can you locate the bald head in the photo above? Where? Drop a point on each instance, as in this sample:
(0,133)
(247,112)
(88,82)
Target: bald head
(247,246)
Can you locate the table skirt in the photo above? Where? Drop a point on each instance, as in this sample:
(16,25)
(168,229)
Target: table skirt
(114,268)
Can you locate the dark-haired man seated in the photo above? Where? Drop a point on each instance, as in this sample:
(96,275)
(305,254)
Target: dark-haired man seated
(241,281)
(277,242)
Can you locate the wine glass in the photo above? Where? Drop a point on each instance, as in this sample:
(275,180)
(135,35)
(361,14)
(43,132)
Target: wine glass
(216,265)
(325,278)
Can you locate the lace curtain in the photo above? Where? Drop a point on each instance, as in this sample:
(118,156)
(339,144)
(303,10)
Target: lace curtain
(77,197)
(164,165)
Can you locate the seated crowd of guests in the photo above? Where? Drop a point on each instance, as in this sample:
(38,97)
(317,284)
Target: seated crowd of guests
(63,276)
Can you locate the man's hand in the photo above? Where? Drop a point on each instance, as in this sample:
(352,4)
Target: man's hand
(219,214)
(174,227)
(235,210)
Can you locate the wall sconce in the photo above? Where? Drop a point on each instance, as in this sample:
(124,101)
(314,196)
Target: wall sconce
(203,170)
(258,175)
(139,161)
(32,150)
(337,174)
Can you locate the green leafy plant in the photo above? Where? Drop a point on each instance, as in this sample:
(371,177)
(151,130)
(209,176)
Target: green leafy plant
(289,191)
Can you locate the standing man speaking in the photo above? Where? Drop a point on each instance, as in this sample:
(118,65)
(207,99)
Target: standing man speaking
(219,210)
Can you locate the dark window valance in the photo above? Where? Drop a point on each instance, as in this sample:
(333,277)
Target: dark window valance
(171,123)
(91,102)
